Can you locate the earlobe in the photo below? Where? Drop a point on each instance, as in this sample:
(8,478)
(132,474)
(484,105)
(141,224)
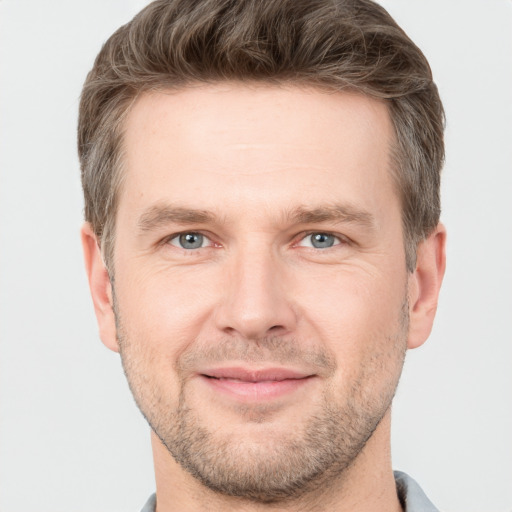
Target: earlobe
(100,287)
(424,286)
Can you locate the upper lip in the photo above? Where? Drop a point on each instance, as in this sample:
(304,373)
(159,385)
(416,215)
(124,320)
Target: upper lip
(255,375)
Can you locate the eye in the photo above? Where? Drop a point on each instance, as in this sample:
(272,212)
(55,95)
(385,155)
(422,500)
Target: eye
(190,241)
(319,241)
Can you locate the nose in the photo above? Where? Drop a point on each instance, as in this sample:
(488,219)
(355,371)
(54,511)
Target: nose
(255,302)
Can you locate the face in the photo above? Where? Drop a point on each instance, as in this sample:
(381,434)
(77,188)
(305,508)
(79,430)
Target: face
(260,282)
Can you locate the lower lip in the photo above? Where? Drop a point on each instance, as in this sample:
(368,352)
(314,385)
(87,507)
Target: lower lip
(256,391)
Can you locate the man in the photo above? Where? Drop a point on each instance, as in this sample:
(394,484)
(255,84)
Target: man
(263,245)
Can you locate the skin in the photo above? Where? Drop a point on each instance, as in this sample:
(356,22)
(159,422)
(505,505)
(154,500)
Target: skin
(269,166)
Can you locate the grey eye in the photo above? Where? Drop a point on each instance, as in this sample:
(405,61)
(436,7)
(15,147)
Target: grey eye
(188,241)
(322,240)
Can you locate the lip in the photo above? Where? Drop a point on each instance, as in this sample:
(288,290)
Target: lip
(249,384)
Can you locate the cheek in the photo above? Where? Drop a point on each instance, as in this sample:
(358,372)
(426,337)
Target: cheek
(154,329)
(163,303)
(359,319)
(351,303)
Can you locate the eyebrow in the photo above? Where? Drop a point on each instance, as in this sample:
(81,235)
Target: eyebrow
(161,215)
(339,213)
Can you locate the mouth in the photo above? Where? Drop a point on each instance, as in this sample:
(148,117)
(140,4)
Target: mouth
(247,384)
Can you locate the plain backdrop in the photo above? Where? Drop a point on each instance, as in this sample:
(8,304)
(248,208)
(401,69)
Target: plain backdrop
(71,438)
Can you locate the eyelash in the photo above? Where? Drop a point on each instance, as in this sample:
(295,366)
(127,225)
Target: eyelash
(169,239)
(339,240)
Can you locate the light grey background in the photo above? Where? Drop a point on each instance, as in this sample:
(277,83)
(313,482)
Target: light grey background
(71,438)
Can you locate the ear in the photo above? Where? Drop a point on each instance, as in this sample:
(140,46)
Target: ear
(424,285)
(100,286)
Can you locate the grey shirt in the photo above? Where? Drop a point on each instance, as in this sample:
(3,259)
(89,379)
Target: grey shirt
(411,496)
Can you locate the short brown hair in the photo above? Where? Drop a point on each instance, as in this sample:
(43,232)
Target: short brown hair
(335,44)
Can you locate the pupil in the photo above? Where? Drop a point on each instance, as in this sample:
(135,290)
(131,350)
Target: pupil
(321,240)
(191,240)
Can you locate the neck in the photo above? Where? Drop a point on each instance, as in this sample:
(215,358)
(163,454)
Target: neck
(367,485)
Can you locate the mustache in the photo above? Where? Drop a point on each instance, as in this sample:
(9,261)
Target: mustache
(273,350)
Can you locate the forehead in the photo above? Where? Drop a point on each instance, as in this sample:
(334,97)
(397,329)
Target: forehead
(229,142)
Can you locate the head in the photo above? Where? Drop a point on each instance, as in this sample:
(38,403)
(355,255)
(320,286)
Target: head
(262,202)
(332,45)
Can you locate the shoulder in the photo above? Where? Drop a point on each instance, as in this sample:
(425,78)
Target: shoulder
(412,497)
(150,505)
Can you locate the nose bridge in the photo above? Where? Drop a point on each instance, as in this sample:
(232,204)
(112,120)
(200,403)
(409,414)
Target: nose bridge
(255,302)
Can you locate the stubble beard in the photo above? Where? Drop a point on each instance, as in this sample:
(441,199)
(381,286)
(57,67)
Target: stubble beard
(284,467)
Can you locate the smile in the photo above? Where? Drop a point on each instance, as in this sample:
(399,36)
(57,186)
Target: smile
(255,385)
